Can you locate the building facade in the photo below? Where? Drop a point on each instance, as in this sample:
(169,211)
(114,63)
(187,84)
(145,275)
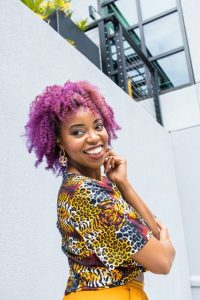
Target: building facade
(163,161)
(166,32)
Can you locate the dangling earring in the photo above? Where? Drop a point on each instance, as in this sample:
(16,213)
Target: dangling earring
(62,158)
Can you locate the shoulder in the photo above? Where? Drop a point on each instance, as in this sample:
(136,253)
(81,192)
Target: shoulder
(79,186)
(77,181)
(73,179)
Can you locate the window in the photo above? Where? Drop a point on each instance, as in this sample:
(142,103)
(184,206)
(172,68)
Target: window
(150,8)
(163,34)
(176,75)
(157,28)
(129,10)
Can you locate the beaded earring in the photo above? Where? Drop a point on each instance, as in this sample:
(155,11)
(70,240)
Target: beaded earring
(62,158)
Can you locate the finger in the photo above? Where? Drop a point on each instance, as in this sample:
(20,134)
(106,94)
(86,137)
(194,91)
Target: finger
(159,222)
(105,163)
(110,152)
(108,164)
(161,225)
(113,162)
(107,153)
(107,157)
(105,160)
(115,156)
(119,160)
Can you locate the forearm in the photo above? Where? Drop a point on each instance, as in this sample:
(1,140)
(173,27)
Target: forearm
(169,252)
(156,256)
(138,204)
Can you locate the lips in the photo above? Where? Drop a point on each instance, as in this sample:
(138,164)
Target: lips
(95,152)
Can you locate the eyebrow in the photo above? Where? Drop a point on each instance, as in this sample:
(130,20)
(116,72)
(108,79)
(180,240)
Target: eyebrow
(81,125)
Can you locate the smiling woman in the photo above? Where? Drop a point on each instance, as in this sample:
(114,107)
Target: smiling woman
(85,140)
(53,108)
(108,233)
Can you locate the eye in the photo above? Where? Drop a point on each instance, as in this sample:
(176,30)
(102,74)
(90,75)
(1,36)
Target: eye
(99,127)
(78,133)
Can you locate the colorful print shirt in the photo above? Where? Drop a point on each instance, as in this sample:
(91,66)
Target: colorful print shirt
(100,233)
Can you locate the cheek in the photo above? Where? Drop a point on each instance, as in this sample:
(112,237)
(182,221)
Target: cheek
(73,146)
(106,138)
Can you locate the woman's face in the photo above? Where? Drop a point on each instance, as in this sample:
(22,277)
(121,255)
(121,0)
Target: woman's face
(85,140)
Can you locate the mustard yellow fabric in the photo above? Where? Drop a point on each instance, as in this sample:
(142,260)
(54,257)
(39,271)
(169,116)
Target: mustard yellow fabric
(129,291)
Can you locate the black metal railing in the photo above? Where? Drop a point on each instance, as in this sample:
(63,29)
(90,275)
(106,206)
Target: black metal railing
(125,63)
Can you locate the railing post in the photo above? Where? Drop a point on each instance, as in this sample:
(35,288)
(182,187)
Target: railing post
(155,88)
(104,57)
(121,60)
(103,46)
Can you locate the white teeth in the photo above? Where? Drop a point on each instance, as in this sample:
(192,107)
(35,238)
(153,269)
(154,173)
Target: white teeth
(94,151)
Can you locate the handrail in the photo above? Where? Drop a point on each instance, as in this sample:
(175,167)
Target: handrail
(122,20)
(141,89)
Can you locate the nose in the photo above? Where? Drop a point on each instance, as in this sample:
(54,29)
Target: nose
(92,137)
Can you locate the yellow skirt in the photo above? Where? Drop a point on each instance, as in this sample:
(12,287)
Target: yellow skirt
(129,291)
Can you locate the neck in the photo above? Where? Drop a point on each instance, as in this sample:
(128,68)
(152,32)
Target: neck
(94,174)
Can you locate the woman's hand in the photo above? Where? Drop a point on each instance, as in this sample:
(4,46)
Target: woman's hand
(116,170)
(164,234)
(157,255)
(115,167)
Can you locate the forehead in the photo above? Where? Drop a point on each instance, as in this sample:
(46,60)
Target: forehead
(81,116)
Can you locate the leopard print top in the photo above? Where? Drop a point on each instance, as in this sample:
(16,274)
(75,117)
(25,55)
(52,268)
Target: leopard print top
(100,233)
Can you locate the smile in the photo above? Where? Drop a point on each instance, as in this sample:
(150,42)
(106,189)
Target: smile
(95,153)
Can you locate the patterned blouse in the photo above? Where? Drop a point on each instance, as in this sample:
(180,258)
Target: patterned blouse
(100,233)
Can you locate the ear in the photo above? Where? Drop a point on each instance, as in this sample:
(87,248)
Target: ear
(59,143)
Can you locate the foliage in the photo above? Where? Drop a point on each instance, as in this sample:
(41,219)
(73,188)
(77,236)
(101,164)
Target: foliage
(82,24)
(44,8)
(71,42)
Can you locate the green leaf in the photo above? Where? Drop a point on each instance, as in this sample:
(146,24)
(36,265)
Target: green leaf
(45,10)
(82,24)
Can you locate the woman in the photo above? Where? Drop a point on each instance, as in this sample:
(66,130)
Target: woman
(108,233)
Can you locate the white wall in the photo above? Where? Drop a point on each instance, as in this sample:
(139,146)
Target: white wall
(149,106)
(33,55)
(181,117)
(181,108)
(186,149)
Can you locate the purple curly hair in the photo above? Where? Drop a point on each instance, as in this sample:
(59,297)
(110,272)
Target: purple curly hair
(51,107)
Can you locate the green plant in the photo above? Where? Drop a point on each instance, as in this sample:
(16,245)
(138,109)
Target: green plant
(44,8)
(64,5)
(82,24)
(33,4)
(71,42)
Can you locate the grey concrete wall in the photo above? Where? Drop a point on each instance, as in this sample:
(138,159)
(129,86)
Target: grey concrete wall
(33,55)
